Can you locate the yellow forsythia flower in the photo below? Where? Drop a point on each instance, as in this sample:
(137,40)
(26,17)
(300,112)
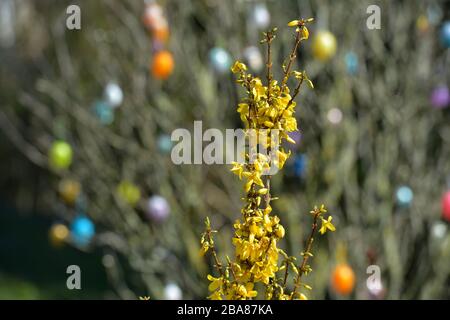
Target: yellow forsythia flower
(327,225)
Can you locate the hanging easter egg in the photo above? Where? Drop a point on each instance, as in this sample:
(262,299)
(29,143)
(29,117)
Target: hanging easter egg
(299,166)
(438,230)
(334,116)
(69,190)
(445,34)
(220,59)
(422,24)
(152,16)
(446,206)
(82,230)
(404,196)
(254,58)
(164,143)
(440,97)
(376,290)
(60,155)
(156,22)
(324,45)
(113,94)
(129,192)
(351,63)
(162,64)
(158,209)
(374,286)
(172,292)
(58,234)
(103,112)
(343,279)
(260,16)
(161,31)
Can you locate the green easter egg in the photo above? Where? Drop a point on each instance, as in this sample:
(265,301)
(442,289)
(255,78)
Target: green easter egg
(129,192)
(60,156)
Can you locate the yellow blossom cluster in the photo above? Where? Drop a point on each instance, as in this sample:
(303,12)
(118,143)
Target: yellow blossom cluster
(265,109)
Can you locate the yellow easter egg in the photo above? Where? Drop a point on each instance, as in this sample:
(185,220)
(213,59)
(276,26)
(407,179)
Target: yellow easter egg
(69,190)
(58,234)
(324,45)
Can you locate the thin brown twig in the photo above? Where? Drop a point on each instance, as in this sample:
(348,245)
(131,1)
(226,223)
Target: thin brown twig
(292,56)
(302,268)
(230,265)
(286,272)
(218,265)
(269,38)
(296,92)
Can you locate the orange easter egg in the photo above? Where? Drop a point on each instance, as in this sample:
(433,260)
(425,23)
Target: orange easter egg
(162,64)
(343,279)
(161,33)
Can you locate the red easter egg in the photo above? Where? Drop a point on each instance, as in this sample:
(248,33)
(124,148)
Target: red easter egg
(446,206)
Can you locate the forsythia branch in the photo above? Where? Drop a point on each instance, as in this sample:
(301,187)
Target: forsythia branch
(268,108)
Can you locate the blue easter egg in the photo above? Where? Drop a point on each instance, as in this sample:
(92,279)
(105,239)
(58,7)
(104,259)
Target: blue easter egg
(104,112)
(82,230)
(164,143)
(404,196)
(445,34)
(351,62)
(220,59)
(300,162)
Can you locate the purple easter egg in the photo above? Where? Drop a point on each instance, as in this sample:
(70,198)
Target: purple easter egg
(158,209)
(440,97)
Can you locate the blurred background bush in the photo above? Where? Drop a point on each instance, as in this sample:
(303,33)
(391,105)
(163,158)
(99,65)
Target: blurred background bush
(85,123)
